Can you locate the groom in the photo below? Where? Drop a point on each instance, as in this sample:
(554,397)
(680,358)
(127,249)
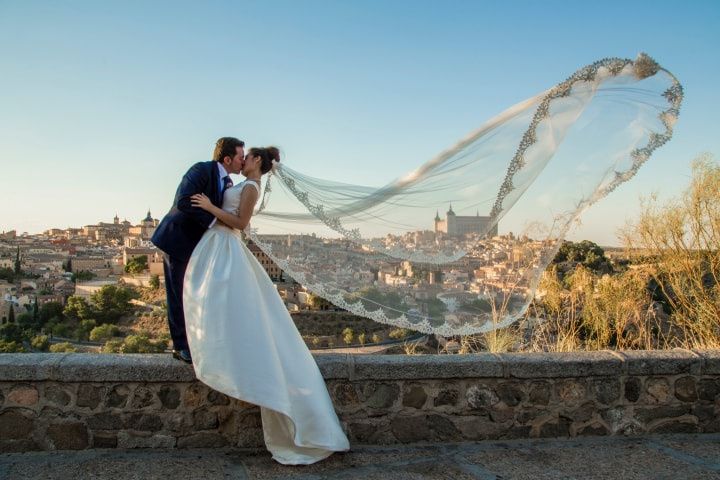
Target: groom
(183,226)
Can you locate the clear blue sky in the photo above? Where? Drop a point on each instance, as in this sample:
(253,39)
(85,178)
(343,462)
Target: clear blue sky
(105,105)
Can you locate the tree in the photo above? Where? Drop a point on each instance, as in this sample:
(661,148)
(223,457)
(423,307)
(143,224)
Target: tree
(112,302)
(155,282)
(12,332)
(399,333)
(82,332)
(137,264)
(77,308)
(62,347)
(7,274)
(82,276)
(11,347)
(18,264)
(348,335)
(681,239)
(104,332)
(585,253)
(67,265)
(140,343)
(49,311)
(40,342)
(11,315)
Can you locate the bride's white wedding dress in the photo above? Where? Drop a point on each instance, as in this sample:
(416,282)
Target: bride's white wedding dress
(245,344)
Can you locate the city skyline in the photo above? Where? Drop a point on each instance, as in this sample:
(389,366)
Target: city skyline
(112,103)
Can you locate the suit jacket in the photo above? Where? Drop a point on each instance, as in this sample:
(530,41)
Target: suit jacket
(181,229)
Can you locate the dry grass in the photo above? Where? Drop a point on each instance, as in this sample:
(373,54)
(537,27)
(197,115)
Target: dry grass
(680,274)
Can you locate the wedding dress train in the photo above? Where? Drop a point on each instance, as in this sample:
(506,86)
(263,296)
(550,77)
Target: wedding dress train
(245,344)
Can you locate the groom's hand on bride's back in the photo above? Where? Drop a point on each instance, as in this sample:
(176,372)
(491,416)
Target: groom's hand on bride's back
(195,181)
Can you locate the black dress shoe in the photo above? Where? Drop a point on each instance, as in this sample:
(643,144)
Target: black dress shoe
(183,355)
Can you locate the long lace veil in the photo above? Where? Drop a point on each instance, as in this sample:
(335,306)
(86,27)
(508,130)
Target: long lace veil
(458,245)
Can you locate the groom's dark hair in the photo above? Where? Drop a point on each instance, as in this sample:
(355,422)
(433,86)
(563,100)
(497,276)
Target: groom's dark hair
(226,147)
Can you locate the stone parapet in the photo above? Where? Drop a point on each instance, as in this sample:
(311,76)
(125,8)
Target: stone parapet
(78,401)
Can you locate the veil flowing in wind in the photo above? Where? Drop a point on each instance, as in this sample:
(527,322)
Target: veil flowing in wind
(458,245)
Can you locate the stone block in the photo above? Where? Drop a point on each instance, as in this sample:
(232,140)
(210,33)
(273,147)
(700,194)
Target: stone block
(361,431)
(34,367)
(539,393)
(658,390)
(633,387)
(501,413)
(685,390)
(516,432)
(661,362)
(711,361)
(142,397)
(104,440)
(570,392)
(23,395)
(593,430)
(414,396)
(16,423)
(510,393)
(144,440)
(561,365)
(583,413)
(380,395)
(480,396)
(708,389)
(674,426)
(144,422)
(68,435)
(91,367)
(448,395)
(217,398)
(169,396)
(202,440)
(204,419)
(397,367)
(648,414)
(117,396)
(334,365)
(105,421)
(90,395)
(19,446)
(346,394)
(559,427)
(424,428)
(478,428)
(606,390)
(57,394)
(194,395)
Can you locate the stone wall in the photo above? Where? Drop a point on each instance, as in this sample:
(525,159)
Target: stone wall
(78,401)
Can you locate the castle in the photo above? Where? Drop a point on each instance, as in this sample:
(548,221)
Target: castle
(458,225)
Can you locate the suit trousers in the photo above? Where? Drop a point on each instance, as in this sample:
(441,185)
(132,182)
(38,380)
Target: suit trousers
(174,277)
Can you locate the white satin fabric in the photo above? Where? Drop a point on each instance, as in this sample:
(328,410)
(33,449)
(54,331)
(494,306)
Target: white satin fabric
(245,344)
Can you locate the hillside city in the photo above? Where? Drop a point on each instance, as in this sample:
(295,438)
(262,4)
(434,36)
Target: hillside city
(59,268)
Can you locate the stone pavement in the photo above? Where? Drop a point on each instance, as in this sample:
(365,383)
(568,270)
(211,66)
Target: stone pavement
(672,457)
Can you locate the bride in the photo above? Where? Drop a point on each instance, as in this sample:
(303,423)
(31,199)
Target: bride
(244,342)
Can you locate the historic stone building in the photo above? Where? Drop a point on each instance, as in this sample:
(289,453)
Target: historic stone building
(458,225)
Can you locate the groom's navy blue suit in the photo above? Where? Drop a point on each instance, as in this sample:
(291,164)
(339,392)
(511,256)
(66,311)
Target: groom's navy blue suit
(178,234)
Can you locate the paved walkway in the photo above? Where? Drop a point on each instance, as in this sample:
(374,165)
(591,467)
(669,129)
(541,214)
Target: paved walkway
(670,457)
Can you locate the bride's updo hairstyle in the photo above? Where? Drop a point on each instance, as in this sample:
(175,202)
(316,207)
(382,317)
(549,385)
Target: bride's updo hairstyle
(267,155)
